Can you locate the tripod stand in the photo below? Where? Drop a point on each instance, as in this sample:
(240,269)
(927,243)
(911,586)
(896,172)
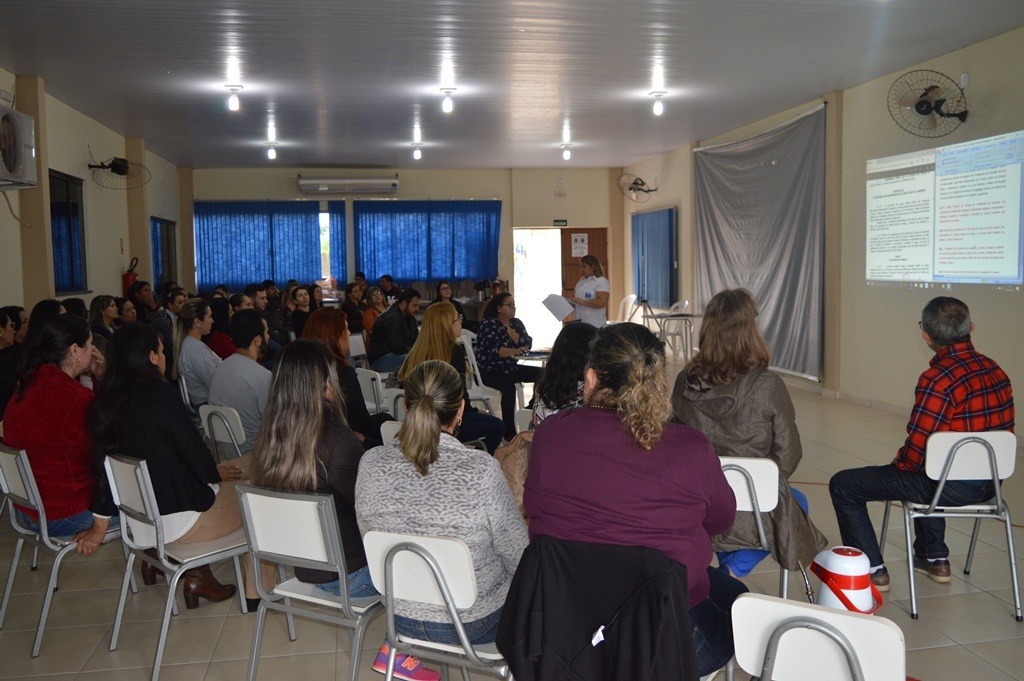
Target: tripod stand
(641,302)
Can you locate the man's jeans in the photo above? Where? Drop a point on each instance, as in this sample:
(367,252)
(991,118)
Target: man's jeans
(852,488)
(389,363)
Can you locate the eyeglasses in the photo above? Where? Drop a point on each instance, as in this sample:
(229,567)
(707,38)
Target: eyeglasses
(920,325)
(512,305)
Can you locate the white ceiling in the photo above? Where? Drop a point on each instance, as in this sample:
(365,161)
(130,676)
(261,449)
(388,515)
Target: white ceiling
(345,81)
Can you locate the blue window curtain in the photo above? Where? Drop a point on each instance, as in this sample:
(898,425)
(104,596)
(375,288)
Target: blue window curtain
(241,242)
(654,256)
(336,234)
(156,239)
(428,240)
(67,239)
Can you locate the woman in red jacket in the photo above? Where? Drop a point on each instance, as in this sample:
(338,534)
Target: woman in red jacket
(47,418)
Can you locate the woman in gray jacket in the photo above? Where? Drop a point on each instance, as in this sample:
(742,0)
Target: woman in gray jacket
(727,392)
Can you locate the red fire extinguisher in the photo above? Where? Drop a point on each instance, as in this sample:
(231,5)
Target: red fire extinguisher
(130,277)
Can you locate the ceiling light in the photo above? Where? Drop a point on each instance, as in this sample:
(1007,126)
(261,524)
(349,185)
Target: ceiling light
(566,152)
(417,151)
(417,134)
(271,132)
(659,107)
(233,99)
(566,137)
(447,105)
(271,150)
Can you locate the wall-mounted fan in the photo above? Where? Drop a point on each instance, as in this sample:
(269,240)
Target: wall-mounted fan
(927,103)
(635,189)
(120,173)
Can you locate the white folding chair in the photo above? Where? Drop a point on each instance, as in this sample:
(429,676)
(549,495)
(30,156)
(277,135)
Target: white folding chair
(820,642)
(625,306)
(222,424)
(755,482)
(357,350)
(183,389)
(389,431)
(133,494)
(478,392)
(301,530)
(675,329)
(435,571)
(982,456)
(524,419)
(372,387)
(19,487)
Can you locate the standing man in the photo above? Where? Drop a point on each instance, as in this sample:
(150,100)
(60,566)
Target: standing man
(164,319)
(962,391)
(240,382)
(394,332)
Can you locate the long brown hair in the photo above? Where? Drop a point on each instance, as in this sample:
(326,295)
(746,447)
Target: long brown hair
(329,325)
(730,342)
(629,362)
(436,339)
(433,393)
(297,413)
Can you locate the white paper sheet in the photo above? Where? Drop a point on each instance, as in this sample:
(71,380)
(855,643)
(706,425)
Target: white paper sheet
(558,306)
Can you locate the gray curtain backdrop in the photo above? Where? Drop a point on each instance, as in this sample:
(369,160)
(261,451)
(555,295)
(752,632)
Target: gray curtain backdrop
(760,207)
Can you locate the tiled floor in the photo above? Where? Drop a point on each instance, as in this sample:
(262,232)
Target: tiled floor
(966,629)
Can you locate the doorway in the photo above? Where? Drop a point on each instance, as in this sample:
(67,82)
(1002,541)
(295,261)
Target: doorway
(544,264)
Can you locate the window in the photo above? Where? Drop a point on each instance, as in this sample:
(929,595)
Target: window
(241,242)
(655,264)
(428,240)
(165,251)
(67,233)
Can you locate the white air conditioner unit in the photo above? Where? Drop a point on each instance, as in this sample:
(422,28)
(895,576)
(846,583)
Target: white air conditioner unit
(337,185)
(17,150)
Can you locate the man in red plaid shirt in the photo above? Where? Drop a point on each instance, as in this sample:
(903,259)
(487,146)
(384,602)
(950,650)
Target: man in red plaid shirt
(962,390)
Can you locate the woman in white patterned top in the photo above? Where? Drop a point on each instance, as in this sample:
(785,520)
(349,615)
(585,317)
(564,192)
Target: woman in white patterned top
(430,483)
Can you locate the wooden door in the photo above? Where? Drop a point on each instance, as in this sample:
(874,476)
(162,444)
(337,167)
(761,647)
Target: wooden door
(597,246)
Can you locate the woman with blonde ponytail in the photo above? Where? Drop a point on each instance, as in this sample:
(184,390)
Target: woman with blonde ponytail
(429,483)
(616,471)
(193,359)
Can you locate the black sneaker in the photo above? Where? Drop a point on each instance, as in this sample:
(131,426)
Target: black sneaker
(880,578)
(937,570)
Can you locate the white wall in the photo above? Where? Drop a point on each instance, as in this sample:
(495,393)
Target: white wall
(69,135)
(11,289)
(882,352)
(106,213)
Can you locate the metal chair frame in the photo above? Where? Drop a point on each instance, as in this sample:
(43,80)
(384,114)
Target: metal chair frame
(737,464)
(213,418)
(21,489)
(947,445)
(323,552)
(484,659)
(133,494)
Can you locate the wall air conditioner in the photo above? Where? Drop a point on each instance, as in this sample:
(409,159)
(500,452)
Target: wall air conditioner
(17,150)
(337,185)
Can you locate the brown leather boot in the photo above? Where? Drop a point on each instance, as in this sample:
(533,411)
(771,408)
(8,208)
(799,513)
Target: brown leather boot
(200,582)
(150,573)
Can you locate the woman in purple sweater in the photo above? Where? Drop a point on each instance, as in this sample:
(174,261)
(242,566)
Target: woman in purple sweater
(617,472)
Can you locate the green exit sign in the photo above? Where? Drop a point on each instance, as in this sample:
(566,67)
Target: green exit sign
(561,223)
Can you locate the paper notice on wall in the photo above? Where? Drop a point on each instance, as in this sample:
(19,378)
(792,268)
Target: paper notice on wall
(580,245)
(558,306)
